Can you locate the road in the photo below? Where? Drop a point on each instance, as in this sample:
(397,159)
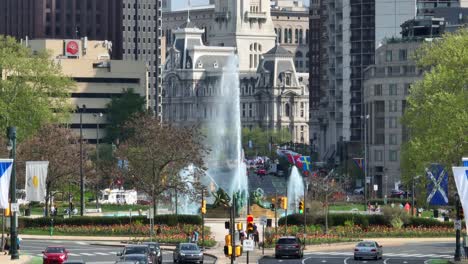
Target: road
(411,253)
(86,250)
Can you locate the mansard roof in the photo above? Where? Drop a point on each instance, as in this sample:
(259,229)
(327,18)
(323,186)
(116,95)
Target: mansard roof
(278,50)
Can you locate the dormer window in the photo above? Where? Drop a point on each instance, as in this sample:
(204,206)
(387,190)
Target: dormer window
(215,65)
(287,79)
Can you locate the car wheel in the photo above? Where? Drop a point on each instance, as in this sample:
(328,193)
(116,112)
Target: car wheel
(277,256)
(356,258)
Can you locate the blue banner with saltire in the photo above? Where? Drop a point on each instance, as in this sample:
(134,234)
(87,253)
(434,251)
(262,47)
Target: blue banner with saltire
(6,166)
(437,189)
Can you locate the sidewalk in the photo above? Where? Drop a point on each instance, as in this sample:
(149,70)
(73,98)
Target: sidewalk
(22,260)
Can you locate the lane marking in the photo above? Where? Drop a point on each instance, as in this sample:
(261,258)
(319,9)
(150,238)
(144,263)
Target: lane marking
(86,254)
(346,260)
(102,253)
(323,261)
(303,261)
(385,260)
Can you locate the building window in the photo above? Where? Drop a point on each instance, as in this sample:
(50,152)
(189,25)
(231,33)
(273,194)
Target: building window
(250,110)
(287,109)
(403,55)
(378,155)
(393,139)
(392,122)
(392,89)
(393,106)
(243,110)
(407,88)
(393,155)
(377,89)
(388,55)
(302,113)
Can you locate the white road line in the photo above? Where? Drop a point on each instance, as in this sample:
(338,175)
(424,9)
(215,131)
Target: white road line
(385,261)
(86,254)
(102,254)
(73,254)
(345,261)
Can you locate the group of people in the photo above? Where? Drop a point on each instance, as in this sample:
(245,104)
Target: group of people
(7,243)
(193,237)
(255,235)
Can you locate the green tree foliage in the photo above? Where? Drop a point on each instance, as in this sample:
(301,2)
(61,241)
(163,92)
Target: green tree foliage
(119,111)
(33,90)
(261,138)
(437,113)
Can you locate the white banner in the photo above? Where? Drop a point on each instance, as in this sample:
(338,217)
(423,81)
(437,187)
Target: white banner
(36,174)
(6,166)
(461,180)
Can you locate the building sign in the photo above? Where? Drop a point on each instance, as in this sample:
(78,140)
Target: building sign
(72,48)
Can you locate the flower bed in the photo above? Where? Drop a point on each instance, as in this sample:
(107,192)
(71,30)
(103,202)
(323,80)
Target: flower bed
(169,234)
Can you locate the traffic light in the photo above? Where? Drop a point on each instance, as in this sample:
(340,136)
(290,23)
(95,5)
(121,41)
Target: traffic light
(239,226)
(301,207)
(280,202)
(238,251)
(284,203)
(227,225)
(228,240)
(273,204)
(7,211)
(250,223)
(203,208)
(228,250)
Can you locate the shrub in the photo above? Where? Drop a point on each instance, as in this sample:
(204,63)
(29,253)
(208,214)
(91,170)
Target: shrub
(391,213)
(170,220)
(396,222)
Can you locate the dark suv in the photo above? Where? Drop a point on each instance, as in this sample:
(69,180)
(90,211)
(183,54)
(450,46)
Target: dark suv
(131,250)
(289,246)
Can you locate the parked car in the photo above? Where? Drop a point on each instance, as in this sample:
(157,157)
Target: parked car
(54,255)
(261,172)
(137,258)
(359,191)
(399,194)
(188,252)
(368,249)
(136,250)
(155,251)
(289,246)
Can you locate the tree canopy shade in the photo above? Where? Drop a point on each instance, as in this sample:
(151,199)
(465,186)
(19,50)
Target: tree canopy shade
(437,112)
(157,153)
(119,111)
(33,90)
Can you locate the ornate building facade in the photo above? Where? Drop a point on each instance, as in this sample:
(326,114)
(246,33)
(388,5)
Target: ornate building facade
(274,94)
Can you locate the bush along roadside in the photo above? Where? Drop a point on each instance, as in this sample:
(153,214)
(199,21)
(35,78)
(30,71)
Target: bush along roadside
(169,220)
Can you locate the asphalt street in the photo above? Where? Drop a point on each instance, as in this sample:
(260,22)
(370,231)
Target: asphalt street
(86,250)
(410,253)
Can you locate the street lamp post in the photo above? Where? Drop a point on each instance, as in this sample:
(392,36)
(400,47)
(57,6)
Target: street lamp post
(97,116)
(82,205)
(457,256)
(365,117)
(11,133)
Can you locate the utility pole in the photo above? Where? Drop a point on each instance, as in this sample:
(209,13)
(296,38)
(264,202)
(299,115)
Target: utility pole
(11,133)
(305,216)
(276,215)
(457,256)
(82,204)
(366,116)
(233,221)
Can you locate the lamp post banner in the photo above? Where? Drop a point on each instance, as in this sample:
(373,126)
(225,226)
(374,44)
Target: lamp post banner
(36,174)
(461,180)
(6,165)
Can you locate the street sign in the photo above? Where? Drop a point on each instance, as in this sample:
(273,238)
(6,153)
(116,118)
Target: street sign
(368,179)
(458,224)
(263,220)
(248,245)
(150,214)
(376,187)
(15,207)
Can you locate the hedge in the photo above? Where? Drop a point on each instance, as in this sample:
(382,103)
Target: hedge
(359,219)
(170,220)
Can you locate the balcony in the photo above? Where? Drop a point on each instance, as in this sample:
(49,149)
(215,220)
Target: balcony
(256,15)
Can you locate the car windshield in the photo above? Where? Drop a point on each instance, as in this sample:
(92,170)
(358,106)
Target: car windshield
(140,259)
(55,250)
(189,247)
(136,250)
(287,241)
(366,244)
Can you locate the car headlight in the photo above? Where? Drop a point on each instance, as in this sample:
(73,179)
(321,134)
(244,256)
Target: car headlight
(45,257)
(201,254)
(62,257)
(182,254)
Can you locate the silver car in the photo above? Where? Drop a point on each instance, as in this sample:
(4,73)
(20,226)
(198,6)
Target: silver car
(368,249)
(188,252)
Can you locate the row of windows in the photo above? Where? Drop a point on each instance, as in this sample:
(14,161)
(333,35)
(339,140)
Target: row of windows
(402,55)
(285,36)
(392,89)
(143,5)
(392,155)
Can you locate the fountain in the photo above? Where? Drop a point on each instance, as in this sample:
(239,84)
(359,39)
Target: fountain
(225,162)
(295,190)
(185,202)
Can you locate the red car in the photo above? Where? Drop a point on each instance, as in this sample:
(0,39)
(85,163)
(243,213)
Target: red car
(261,172)
(54,255)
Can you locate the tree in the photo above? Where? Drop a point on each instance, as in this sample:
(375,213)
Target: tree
(156,154)
(33,90)
(437,112)
(119,111)
(59,146)
(261,139)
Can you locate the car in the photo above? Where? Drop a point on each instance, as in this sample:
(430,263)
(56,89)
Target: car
(188,252)
(399,194)
(359,191)
(155,251)
(54,255)
(261,172)
(137,258)
(289,246)
(368,249)
(136,250)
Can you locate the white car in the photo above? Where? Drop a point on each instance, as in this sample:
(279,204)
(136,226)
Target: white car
(359,191)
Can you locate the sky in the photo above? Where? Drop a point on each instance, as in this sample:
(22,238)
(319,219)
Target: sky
(178,4)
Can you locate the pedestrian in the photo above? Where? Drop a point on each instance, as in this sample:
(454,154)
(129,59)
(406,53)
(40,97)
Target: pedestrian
(7,243)
(256,237)
(158,230)
(189,239)
(407,207)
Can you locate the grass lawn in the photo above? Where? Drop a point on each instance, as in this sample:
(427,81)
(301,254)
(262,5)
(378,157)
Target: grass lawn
(346,207)
(35,260)
(438,261)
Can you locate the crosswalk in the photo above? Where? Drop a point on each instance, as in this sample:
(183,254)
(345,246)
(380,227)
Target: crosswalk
(387,255)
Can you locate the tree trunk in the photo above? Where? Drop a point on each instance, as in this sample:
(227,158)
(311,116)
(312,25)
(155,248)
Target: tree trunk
(47,199)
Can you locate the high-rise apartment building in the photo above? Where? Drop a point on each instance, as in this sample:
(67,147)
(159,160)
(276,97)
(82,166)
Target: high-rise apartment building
(64,19)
